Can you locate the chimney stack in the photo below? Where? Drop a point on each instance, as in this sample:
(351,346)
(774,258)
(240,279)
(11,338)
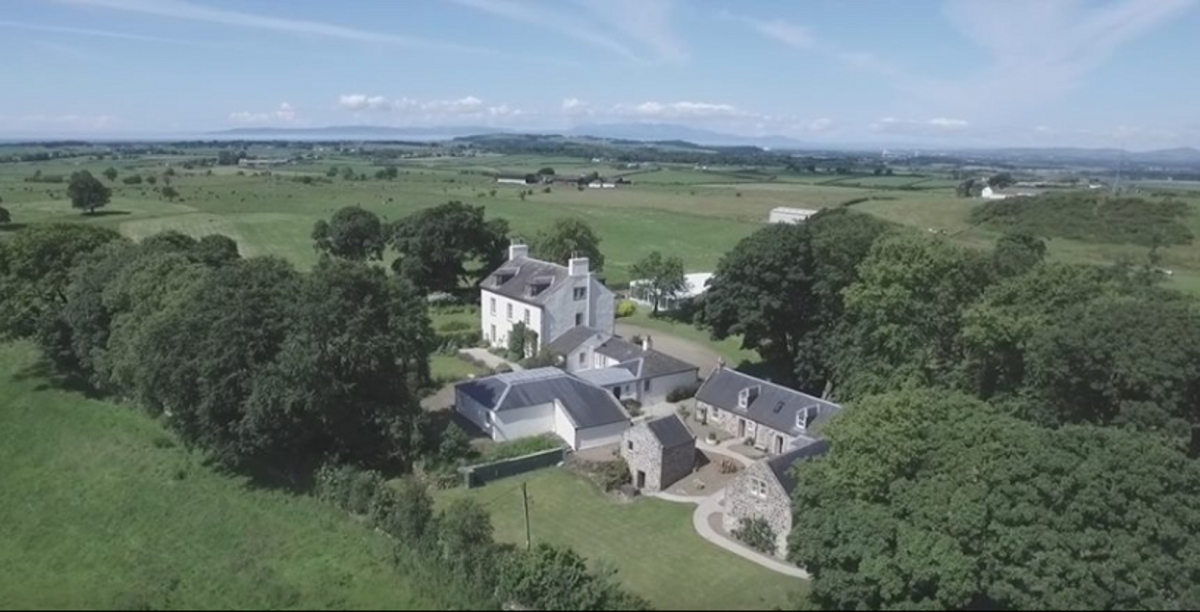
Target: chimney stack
(578,266)
(517,250)
(647,343)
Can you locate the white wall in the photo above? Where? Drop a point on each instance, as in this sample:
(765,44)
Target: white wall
(563,426)
(473,411)
(501,321)
(587,349)
(661,386)
(600,436)
(523,422)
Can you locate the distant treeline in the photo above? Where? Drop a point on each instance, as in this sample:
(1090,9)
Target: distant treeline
(1090,217)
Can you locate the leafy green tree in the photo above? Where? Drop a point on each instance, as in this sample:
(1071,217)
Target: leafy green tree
(348,173)
(455,445)
(547,171)
(35,271)
(904,314)
(760,291)
(111,174)
(1132,361)
(518,341)
(404,510)
(388,174)
(332,172)
(465,541)
(664,277)
(554,578)
(441,247)
(87,193)
(930,500)
(169,172)
(170,193)
(216,249)
(1001,181)
(353,233)
(152,180)
(1017,253)
(133,179)
(569,238)
(5,216)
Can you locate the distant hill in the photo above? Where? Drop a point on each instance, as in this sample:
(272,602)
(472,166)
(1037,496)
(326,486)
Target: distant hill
(667,132)
(1182,155)
(364,132)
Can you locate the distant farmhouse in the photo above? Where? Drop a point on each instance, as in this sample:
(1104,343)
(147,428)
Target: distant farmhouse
(784,214)
(990,193)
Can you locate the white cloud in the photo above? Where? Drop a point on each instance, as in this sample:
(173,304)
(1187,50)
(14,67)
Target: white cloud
(286,113)
(949,125)
(819,125)
(575,106)
(783,31)
(427,110)
(679,110)
(611,25)
(362,102)
(937,125)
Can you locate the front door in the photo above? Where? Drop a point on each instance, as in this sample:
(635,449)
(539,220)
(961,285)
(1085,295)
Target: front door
(641,479)
(778,445)
(742,429)
(617,391)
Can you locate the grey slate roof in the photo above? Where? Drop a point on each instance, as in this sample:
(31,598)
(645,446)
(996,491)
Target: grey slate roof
(571,339)
(620,349)
(607,376)
(670,431)
(525,271)
(653,363)
(587,404)
(781,465)
(776,406)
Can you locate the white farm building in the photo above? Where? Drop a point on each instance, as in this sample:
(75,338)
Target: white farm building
(784,214)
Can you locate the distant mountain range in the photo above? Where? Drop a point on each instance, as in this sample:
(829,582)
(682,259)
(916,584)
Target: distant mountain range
(668,132)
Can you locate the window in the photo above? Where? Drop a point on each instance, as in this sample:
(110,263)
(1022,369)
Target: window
(493,337)
(510,312)
(646,385)
(580,293)
(743,398)
(493,306)
(527,316)
(578,319)
(582,358)
(758,488)
(629,445)
(598,362)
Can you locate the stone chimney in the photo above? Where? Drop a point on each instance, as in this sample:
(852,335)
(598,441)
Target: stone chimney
(647,343)
(578,266)
(517,250)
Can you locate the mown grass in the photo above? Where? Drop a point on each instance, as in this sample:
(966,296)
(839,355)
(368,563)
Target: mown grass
(101,508)
(651,543)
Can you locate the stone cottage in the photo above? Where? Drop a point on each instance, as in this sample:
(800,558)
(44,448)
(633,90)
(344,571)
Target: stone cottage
(765,490)
(773,418)
(660,453)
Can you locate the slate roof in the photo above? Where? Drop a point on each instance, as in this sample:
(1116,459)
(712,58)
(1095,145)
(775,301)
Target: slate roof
(781,465)
(670,431)
(607,376)
(653,363)
(525,271)
(571,339)
(776,406)
(586,404)
(620,349)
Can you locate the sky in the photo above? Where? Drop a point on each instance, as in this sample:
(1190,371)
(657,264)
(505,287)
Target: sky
(967,73)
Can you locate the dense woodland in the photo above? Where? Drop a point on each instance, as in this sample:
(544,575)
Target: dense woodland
(1020,434)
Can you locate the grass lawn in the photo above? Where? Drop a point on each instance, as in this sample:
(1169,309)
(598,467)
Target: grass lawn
(651,542)
(101,509)
(450,368)
(729,348)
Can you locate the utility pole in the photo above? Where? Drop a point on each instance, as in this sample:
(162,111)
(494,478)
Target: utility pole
(525,502)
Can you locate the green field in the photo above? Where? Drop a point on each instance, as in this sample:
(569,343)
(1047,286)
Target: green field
(101,509)
(651,542)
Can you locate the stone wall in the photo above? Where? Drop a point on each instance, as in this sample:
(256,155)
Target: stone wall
(741,502)
(642,452)
(764,437)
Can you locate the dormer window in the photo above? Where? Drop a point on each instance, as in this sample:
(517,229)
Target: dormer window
(806,416)
(538,285)
(747,396)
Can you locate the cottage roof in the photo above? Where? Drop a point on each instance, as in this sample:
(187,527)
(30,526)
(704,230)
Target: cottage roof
(587,404)
(781,465)
(516,276)
(670,431)
(772,405)
(571,339)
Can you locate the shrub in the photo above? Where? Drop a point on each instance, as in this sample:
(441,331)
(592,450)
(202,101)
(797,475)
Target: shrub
(519,448)
(757,534)
(544,359)
(455,445)
(455,325)
(626,308)
(403,510)
(613,475)
(633,407)
(348,488)
(679,394)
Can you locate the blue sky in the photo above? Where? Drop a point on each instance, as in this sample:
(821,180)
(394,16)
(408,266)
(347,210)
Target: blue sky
(944,73)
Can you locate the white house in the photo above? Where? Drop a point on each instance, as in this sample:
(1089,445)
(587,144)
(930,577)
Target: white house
(542,401)
(989,193)
(548,298)
(626,370)
(695,285)
(784,214)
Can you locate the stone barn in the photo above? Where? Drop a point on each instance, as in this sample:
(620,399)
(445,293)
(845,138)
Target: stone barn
(660,453)
(764,491)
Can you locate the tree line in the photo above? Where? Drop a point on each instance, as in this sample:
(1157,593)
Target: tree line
(1019,433)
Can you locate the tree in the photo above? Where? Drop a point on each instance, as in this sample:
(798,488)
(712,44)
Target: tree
(353,233)
(1017,253)
(332,172)
(904,313)
(110,174)
(1001,180)
(465,540)
(569,238)
(348,173)
(170,193)
(216,249)
(438,246)
(967,188)
(87,193)
(388,174)
(5,217)
(663,277)
(930,500)
(404,510)
(761,290)
(1131,361)
(133,179)
(35,269)
(553,578)
(547,171)
(152,180)
(169,172)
